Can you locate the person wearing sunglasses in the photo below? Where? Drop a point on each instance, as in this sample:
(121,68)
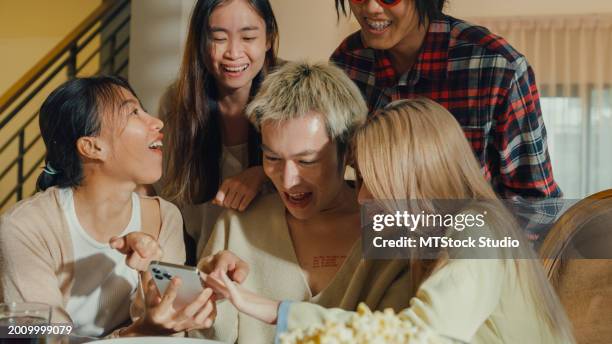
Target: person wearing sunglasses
(410,48)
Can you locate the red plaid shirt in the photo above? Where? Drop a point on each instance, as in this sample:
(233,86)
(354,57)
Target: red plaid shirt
(487,85)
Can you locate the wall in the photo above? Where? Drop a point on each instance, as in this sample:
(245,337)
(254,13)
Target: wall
(31,28)
(158,30)
(310,29)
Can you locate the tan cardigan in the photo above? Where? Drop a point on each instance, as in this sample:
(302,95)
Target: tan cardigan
(36,259)
(260,236)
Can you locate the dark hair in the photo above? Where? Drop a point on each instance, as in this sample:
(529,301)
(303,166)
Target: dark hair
(193,126)
(70,112)
(426,9)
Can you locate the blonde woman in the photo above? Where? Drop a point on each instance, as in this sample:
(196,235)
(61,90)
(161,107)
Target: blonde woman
(415,150)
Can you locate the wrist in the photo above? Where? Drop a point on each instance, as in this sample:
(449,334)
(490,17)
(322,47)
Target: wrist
(133,330)
(258,307)
(141,327)
(274,305)
(269,311)
(261,175)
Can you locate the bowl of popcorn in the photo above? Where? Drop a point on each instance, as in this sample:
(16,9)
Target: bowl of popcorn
(364,326)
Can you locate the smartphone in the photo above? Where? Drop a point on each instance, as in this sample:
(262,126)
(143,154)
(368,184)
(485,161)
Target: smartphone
(190,287)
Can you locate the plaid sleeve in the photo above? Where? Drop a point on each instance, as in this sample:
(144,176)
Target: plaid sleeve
(524,163)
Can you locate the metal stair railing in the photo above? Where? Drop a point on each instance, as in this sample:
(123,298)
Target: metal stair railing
(102,37)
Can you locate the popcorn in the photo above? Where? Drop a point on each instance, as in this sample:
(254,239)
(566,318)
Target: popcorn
(363,327)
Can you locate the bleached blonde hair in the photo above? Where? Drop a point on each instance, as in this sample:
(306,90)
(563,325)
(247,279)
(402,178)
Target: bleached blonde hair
(416,150)
(297,88)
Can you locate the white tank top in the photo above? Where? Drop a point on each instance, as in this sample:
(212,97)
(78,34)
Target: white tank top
(103,284)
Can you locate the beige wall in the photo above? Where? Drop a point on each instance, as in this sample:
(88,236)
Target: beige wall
(157,36)
(30,28)
(310,29)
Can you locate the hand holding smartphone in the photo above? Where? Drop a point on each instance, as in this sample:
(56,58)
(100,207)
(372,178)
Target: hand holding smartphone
(245,301)
(192,281)
(173,307)
(191,285)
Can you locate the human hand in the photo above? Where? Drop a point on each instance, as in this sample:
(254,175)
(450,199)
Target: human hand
(225,263)
(139,248)
(238,191)
(161,318)
(244,300)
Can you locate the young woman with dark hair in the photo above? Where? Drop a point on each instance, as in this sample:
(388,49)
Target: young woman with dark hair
(214,158)
(410,48)
(65,245)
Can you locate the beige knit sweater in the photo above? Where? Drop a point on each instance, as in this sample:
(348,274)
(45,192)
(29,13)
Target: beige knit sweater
(260,236)
(36,258)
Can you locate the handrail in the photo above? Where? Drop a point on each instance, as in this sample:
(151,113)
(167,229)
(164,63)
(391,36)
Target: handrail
(106,22)
(13,93)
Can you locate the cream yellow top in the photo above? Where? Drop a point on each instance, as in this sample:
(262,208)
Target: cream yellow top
(471,300)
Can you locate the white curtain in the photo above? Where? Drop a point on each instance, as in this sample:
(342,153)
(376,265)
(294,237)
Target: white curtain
(572,60)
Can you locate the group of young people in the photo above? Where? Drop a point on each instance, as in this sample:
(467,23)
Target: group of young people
(421,105)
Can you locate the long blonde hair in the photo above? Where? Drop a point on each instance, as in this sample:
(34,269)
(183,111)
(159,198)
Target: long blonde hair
(416,150)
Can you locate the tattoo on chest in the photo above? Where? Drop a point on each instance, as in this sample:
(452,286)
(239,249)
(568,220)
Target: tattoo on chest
(327,261)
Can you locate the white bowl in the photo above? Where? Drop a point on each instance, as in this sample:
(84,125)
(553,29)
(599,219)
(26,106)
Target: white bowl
(156,340)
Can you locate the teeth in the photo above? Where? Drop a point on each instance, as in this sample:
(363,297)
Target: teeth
(378,24)
(236,69)
(156,144)
(297,196)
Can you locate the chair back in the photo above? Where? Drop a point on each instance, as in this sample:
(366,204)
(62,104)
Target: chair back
(575,254)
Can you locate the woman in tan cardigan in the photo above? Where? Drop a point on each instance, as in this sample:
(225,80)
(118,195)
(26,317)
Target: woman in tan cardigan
(426,157)
(55,247)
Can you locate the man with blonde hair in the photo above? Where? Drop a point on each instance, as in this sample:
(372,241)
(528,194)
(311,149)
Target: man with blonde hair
(301,243)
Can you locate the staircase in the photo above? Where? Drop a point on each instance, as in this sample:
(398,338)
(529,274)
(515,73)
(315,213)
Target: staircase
(98,45)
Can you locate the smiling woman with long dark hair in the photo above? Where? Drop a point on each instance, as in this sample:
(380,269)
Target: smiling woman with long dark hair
(214,159)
